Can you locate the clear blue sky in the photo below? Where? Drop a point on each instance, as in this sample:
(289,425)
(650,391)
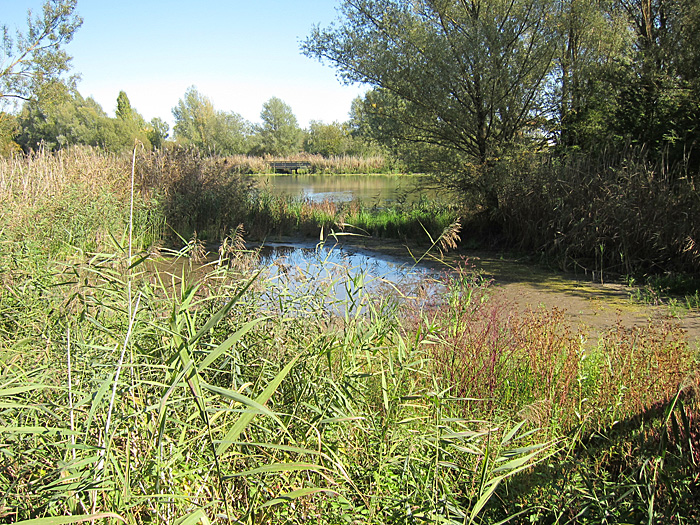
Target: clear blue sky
(238,53)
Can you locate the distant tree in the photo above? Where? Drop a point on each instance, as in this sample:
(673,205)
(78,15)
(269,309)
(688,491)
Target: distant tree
(359,125)
(124,110)
(231,133)
(33,62)
(279,133)
(157,131)
(194,117)
(328,140)
(68,121)
(130,126)
(75,120)
(197,123)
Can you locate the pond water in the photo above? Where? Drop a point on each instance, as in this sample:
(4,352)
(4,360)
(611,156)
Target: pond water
(344,277)
(340,272)
(370,189)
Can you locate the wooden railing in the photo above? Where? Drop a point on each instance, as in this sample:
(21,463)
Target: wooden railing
(289,166)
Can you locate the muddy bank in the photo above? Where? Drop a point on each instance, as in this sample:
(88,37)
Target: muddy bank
(592,306)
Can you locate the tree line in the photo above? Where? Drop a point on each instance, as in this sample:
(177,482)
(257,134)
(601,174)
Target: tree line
(70,119)
(40,106)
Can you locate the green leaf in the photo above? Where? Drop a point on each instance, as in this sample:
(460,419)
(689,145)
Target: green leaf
(218,316)
(245,419)
(60,520)
(226,345)
(289,496)
(198,516)
(19,390)
(516,463)
(485,497)
(240,398)
(37,430)
(279,467)
(512,432)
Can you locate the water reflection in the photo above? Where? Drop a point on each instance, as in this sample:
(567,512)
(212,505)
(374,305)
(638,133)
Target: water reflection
(343,280)
(370,189)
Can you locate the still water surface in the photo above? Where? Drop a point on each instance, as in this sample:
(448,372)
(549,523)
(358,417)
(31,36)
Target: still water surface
(341,272)
(370,189)
(345,277)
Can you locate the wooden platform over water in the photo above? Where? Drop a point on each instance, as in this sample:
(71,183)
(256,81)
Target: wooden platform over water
(289,166)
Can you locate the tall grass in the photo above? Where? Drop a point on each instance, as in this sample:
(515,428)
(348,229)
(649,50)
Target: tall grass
(231,406)
(75,199)
(617,213)
(223,407)
(271,215)
(159,389)
(318,164)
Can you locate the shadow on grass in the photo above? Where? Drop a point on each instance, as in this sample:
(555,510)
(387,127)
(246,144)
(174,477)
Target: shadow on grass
(643,469)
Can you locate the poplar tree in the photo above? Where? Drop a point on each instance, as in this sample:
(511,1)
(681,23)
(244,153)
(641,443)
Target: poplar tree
(279,133)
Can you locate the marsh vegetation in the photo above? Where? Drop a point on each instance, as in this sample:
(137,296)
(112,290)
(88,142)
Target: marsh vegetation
(134,390)
(154,368)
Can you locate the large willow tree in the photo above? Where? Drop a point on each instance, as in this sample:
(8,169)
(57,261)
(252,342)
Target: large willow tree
(462,78)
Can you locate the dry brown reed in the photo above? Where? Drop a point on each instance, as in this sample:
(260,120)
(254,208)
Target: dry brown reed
(39,175)
(196,193)
(450,237)
(618,213)
(233,252)
(246,164)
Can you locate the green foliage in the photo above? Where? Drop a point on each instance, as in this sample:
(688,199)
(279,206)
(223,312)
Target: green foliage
(130,127)
(279,133)
(212,132)
(271,215)
(124,110)
(591,42)
(8,131)
(339,141)
(157,132)
(33,62)
(328,140)
(73,120)
(463,77)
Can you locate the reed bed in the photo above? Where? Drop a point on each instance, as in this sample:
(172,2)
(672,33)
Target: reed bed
(617,213)
(337,165)
(146,387)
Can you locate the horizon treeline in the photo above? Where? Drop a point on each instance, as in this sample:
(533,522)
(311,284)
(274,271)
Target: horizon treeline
(67,119)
